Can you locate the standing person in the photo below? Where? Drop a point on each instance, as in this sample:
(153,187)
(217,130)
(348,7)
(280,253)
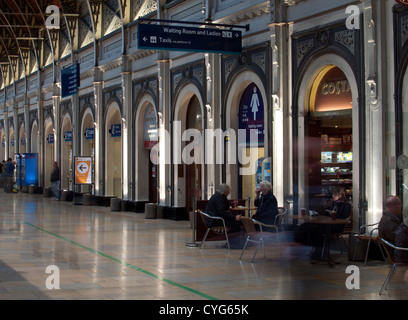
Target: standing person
(266,203)
(218,206)
(55,181)
(390,220)
(9,175)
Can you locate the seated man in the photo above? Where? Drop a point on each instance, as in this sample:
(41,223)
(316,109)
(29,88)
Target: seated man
(390,220)
(266,203)
(218,206)
(401,240)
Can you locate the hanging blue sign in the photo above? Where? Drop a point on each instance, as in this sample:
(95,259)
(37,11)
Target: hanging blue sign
(50,138)
(70,80)
(116,130)
(251,113)
(180,38)
(90,134)
(68,136)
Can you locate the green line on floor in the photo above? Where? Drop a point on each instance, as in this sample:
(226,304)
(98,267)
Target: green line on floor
(124,263)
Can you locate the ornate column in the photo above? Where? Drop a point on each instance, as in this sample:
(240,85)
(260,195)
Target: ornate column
(280,122)
(374,112)
(98,123)
(128,127)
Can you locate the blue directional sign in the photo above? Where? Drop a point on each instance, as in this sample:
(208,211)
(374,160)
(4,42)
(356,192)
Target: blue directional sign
(70,80)
(177,38)
(116,130)
(90,134)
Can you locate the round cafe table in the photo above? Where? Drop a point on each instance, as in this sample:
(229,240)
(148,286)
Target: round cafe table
(328,222)
(241,208)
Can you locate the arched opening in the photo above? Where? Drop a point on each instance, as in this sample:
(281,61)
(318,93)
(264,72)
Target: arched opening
(87,140)
(247,163)
(113,151)
(22,142)
(49,137)
(66,153)
(326,142)
(146,138)
(12,143)
(329,137)
(34,138)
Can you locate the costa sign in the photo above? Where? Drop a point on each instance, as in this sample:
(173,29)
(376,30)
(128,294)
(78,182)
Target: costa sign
(403,2)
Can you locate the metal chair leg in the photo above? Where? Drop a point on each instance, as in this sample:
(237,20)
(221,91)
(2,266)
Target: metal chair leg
(226,236)
(368,249)
(355,250)
(388,279)
(205,236)
(243,249)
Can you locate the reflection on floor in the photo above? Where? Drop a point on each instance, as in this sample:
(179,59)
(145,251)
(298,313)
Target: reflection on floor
(93,253)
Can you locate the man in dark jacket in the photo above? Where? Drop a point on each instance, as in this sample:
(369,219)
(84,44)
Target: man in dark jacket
(218,206)
(266,203)
(390,220)
(55,181)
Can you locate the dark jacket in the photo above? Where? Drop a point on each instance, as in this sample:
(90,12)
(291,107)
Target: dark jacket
(267,208)
(401,240)
(343,209)
(387,227)
(218,206)
(55,174)
(10,168)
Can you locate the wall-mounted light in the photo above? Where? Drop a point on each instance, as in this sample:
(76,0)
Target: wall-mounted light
(160,117)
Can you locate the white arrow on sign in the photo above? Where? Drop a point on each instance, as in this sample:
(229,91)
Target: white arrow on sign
(82,167)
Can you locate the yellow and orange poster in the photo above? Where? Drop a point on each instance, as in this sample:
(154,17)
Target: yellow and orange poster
(83,170)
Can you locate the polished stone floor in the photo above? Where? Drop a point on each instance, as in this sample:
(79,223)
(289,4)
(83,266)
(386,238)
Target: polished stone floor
(58,250)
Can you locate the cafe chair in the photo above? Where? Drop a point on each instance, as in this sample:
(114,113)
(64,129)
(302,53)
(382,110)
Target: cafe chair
(256,236)
(279,217)
(217,230)
(362,236)
(394,266)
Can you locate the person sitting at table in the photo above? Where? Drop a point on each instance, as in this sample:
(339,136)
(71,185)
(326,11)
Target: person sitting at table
(266,203)
(218,206)
(342,209)
(340,206)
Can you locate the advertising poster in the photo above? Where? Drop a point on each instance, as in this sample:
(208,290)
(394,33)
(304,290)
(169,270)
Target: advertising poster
(83,170)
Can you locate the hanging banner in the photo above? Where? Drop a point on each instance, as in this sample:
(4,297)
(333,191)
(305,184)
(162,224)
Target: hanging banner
(83,170)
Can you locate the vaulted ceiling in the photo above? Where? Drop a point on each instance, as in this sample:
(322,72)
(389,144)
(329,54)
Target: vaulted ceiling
(23,31)
(29,41)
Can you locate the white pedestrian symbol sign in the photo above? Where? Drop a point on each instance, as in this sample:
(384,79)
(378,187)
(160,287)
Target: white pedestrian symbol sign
(254,103)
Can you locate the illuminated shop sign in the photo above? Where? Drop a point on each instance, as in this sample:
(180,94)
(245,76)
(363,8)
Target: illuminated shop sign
(331,91)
